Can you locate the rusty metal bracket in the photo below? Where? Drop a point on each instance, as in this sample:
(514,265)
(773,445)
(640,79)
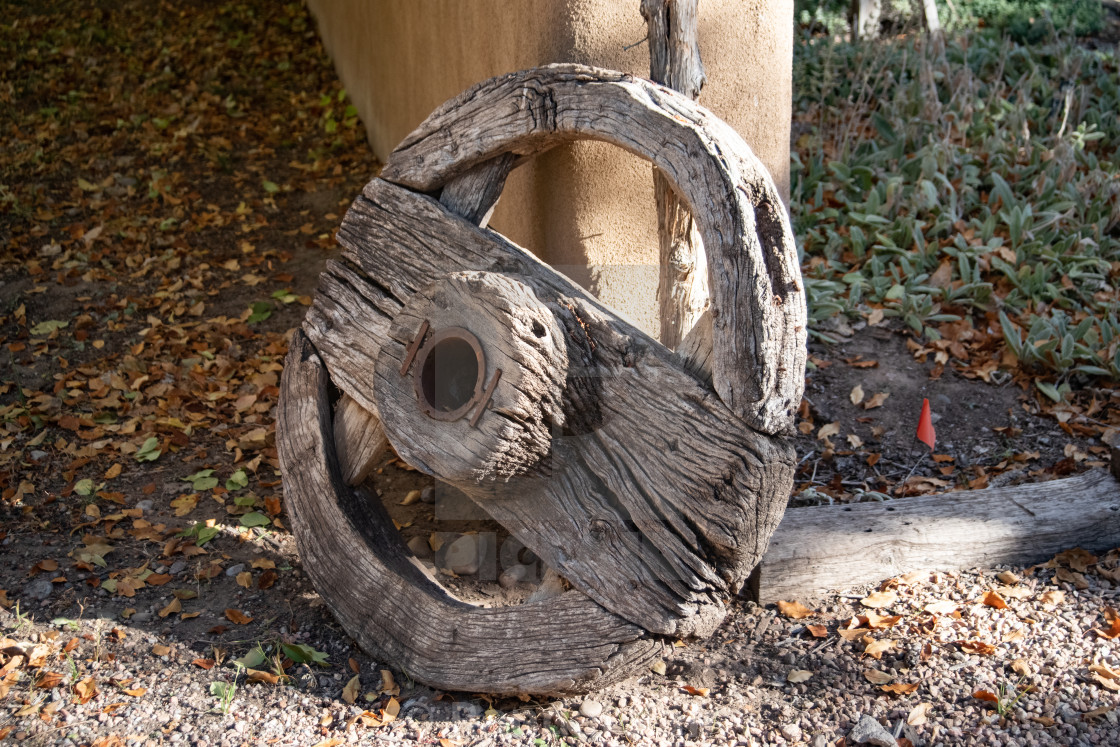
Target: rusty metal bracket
(486,397)
(414,347)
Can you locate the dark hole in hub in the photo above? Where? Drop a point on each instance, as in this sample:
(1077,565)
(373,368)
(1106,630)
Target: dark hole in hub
(449,375)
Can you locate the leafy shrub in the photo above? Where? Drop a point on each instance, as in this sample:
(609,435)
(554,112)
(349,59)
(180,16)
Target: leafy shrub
(981,188)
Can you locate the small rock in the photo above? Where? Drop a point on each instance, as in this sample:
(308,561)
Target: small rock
(694,728)
(233,570)
(420,547)
(792,732)
(141,617)
(178,567)
(513,576)
(870,731)
(461,556)
(39,589)
(591,708)
(145,505)
(38,455)
(428,495)
(819,741)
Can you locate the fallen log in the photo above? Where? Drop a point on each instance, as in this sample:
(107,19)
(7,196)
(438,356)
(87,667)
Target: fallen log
(824,548)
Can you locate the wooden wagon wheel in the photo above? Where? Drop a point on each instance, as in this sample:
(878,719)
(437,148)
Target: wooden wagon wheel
(650,479)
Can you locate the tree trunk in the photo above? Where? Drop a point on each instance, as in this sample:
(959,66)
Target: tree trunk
(674,61)
(864,18)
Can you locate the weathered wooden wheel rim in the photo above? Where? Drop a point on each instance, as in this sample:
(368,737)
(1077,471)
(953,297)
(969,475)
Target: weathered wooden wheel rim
(732,407)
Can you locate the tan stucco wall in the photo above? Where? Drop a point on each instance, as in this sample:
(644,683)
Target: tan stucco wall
(586,208)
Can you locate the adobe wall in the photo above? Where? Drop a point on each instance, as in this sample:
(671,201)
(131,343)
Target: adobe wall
(587,208)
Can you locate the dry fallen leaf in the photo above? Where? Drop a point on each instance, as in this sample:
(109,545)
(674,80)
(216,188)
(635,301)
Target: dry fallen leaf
(267,579)
(390,711)
(992,599)
(878,621)
(831,429)
(875,677)
(700,691)
(876,400)
(986,696)
(900,688)
(1020,667)
(245,579)
(262,677)
(798,675)
(817,631)
(879,599)
(204,663)
(854,634)
(875,648)
(942,607)
(1052,598)
(352,690)
(856,395)
(85,690)
(388,684)
(175,606)
(237,617)
(917,715)
(1106,683)
(1113,620)
(976,647)
(48,680)
(1008,577)
(160,650)
(794,610)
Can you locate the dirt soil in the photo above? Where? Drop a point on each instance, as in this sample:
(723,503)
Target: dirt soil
(163,215)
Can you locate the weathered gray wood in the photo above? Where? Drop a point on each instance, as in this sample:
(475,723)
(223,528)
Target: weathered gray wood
(359,439)
(758,302)
(474,195)
(837,547)
(695,350)
(521,338)
(674,61)
(686,505)
(360,567)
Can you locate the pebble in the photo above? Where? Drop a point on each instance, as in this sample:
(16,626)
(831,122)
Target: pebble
(513,575)
(792,732)
(419,547)
(428,495)
(145,505)
(233,570)
(39,588)
(178,567)
(591,708)
(461,556)
(869,731)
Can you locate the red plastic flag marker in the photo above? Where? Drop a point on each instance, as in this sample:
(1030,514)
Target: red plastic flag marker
(925,426)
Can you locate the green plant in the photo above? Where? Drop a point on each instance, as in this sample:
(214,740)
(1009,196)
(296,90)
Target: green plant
(23,619)
(224,692)
(974,189)
(1010,695)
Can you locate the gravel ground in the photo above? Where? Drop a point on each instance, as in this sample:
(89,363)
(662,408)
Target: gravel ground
(926,656)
